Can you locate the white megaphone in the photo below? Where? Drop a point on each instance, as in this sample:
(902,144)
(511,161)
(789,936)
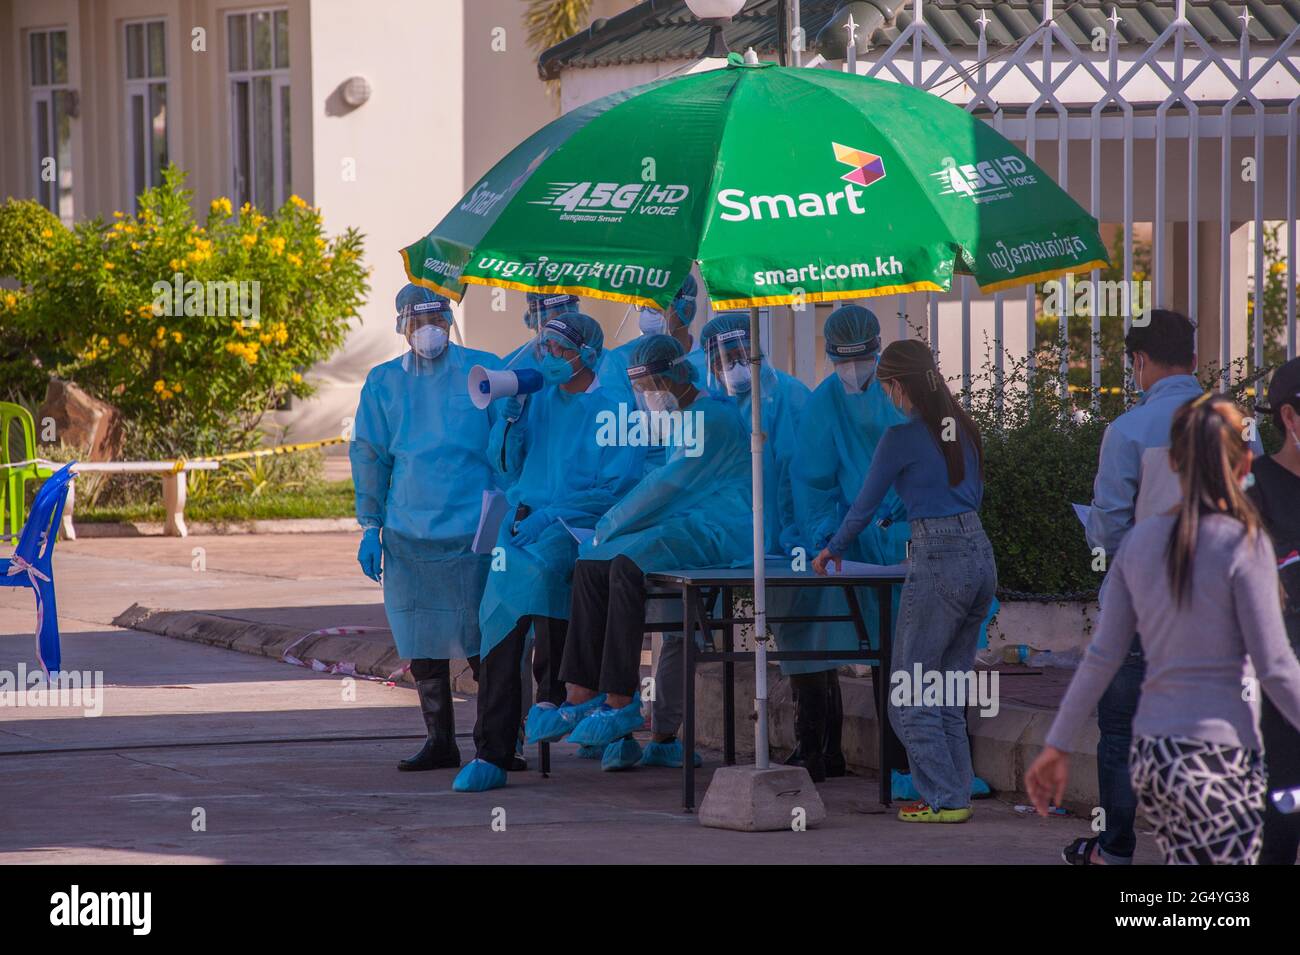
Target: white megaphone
(486,385)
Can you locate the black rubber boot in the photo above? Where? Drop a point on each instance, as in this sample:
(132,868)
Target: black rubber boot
(809,723)
(439,750)
(832,748)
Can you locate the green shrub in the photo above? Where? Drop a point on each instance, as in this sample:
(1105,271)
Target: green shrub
(97,306)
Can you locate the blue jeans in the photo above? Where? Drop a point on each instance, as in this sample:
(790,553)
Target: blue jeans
(1115,711)
(950,586)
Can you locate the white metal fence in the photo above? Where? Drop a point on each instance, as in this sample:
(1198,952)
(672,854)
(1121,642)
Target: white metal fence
(1145,114)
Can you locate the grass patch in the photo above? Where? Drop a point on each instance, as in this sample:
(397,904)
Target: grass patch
(324,499)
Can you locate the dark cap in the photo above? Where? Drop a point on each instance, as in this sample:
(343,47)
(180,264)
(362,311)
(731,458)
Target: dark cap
(1284,389)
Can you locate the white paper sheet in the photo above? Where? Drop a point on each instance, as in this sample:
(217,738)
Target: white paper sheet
(580,534)
(491,514)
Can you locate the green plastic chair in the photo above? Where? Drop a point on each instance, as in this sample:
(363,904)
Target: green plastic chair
(16,422)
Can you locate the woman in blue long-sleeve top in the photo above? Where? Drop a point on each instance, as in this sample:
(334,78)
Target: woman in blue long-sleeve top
(934,463)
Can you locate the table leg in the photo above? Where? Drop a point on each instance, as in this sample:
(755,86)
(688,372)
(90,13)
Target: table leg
(688,700)
(174,505)
(879,682)
(728,685)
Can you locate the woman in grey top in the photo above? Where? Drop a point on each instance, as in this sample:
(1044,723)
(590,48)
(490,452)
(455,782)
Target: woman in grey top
(1200,585)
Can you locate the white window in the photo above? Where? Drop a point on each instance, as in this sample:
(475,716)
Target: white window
(52,107)
(146,102)
(258,44)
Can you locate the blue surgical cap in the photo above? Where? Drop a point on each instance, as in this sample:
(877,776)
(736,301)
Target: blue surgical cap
(418,300)
(724,322)
(851,331)
(689,287)
(660,355)
(575,330)
(543,306)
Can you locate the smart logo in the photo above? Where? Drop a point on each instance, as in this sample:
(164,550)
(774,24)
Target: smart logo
(867,168)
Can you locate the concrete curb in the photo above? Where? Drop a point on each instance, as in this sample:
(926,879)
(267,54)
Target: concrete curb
(295,525)
(1002,746)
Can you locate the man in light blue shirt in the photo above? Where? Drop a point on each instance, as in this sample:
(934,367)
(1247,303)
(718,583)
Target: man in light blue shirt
(1134,481)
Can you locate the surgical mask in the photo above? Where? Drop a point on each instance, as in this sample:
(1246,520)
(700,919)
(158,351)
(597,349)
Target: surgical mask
(653,322)
(855,375)
(429,341)
(737,378)
(661,401)
(556,370)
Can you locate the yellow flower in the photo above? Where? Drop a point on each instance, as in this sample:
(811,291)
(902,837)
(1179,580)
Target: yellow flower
(298,201)
(76,266)
(248,241)
(320,243)
(159,385)
(297,378)
(294,259)
(145,311)
(176,387)
(276,243)
(135,246)
(110,266)
(123,340)
(1278,268)
(10,300)
(221,206)
(175,264)
(177,337)
(160,332)
(47,233)
(281,334)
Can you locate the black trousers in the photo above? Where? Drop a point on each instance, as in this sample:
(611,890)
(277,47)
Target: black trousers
(607,625)
(496,731)
(1282,756)
(426,668)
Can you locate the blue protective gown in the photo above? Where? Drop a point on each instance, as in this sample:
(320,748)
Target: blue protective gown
(420,467)
(554,464)
(691,512)
(838,436)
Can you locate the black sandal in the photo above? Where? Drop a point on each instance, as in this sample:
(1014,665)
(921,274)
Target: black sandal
(1079,852)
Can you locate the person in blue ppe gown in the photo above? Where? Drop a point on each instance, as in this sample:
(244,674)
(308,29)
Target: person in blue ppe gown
(844,420)
(675,322)
(693,511)
(542,307)
(420,467)
(562,476)
(726,345)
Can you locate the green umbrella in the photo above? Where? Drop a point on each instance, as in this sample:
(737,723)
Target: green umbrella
(786,185)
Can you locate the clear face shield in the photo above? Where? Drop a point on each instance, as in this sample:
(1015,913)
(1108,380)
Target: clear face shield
(540,311)
(855,363)
(427,328)
(730,367)
(562,353)
(653,385)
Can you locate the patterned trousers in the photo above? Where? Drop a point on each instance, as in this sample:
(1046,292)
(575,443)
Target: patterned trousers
(1205,799)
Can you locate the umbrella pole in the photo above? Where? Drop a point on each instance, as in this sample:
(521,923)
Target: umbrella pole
(760,582)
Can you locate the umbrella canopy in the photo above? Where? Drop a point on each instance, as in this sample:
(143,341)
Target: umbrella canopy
(784,184)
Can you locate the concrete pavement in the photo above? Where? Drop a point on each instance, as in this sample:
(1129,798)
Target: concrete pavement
(280,764)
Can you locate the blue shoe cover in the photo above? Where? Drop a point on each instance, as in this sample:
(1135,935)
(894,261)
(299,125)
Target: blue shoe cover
(479,776)
(901,786)
(667,754)
(608,724)
(548,723)
(621,754)
(979,789)
(590,752)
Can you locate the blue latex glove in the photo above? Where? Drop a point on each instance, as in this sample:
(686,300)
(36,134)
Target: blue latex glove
(513,408)
(531,527)
(371,555)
